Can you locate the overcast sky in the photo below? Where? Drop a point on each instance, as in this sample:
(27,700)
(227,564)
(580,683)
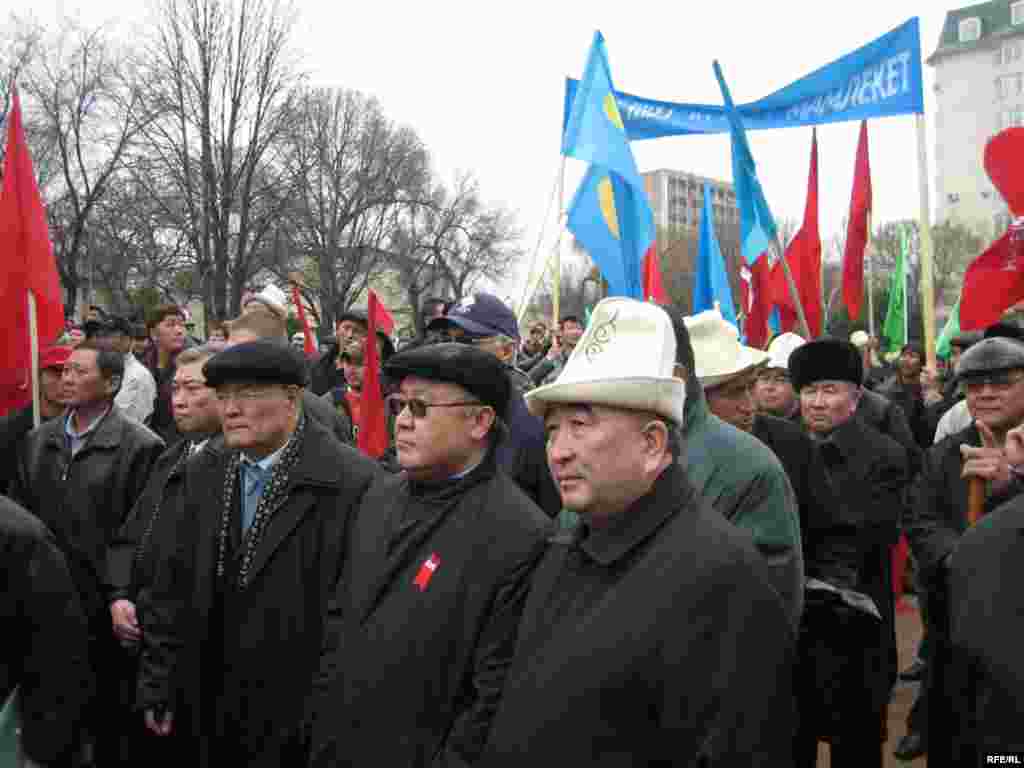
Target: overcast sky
(482,83)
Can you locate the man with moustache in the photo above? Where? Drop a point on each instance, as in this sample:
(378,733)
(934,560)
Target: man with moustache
(234,621)
(651,635)
(438,565)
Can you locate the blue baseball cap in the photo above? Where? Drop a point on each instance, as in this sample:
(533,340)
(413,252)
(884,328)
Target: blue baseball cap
(480,315)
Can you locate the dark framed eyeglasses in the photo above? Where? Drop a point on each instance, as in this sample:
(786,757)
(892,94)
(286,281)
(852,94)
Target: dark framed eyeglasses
(417,407)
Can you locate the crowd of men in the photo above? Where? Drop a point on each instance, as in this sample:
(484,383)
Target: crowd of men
(630,541)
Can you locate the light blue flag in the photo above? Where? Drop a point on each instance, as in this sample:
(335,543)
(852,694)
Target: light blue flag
(711,281)
(757,227)
(594,131)
(614,228)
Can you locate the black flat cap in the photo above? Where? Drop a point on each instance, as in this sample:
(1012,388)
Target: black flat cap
(1004,330)
(965,340)
(356,315)
(991,355)
(270,362)
(825,359)
(480,373)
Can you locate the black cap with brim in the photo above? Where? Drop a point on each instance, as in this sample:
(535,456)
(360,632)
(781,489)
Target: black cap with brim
(825,360)
(1003,330)
(263,361)
(469,326)
(355,315)
(991,356)
(476,371)
(965,340)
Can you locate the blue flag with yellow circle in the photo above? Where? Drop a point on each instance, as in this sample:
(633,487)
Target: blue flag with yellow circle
(609,215)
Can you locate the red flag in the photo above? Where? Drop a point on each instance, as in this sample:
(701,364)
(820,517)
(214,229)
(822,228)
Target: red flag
(992,284)
(307,333)
(27,265)
(755,293)
(373,424)
(804,258)
(900,555)
(857,228)
(994,281)
(654,289)
(781,299)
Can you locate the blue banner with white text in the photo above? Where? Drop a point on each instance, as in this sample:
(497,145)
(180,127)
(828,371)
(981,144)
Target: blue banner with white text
(880,79)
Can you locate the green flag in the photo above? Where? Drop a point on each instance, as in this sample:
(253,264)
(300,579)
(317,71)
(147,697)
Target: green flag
(949,330)
(895,328)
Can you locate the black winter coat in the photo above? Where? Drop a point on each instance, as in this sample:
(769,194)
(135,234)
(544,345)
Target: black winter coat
(656,640)
(324,374)
(321,412)
(828,532)
(868,472)
(236,663)
(523,456)
(937,509)
(423,627)
(887,417)
(137,547)
(44,638)
(976,711)
(14,425)
(86,499)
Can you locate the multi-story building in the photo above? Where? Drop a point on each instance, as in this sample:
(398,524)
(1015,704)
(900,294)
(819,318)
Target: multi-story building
(677,200)
(979,90)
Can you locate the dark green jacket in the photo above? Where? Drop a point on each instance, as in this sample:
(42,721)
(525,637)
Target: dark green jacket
(744,481)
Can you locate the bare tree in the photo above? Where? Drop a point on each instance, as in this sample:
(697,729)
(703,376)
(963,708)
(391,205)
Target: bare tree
(353,173)
(219,80)
(446,246)
(86,101)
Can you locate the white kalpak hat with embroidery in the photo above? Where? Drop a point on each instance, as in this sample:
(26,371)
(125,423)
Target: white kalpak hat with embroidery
(624,359)
(782,347)
(718,354)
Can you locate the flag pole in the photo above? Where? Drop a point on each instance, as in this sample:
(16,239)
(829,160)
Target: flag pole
(794,295)
(528,291)
(33,342)
(927,276)
(868,251)
(557,278)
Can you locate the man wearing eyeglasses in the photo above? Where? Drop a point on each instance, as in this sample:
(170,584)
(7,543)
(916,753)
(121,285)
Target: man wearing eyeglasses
(438,564)
(488,324)
(235,620)
(992,372)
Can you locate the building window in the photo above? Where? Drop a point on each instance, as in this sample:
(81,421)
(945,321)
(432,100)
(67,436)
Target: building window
(1017,13)
(1009,86)
(1008,53)
(970,29)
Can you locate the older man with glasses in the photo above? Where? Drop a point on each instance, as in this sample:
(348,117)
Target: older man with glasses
(438,566)
(235,621)
(992,372)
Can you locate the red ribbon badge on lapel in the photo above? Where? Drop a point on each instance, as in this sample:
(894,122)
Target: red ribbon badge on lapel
(426,571)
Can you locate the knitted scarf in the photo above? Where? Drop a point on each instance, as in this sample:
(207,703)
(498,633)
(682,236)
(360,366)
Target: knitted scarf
(274,495)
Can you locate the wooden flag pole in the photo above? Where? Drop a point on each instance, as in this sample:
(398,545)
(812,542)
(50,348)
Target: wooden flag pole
(869,248)
(924,225)
(556,283)
(532,281)
(33,346)
(794,295)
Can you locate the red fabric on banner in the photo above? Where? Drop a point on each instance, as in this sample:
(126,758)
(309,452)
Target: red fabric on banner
(756,295)
(654,289)
(309,342)
(373,424)
(857,228)
(804,253)
(780,298)
(26,264)
(900,554)
(993,283)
